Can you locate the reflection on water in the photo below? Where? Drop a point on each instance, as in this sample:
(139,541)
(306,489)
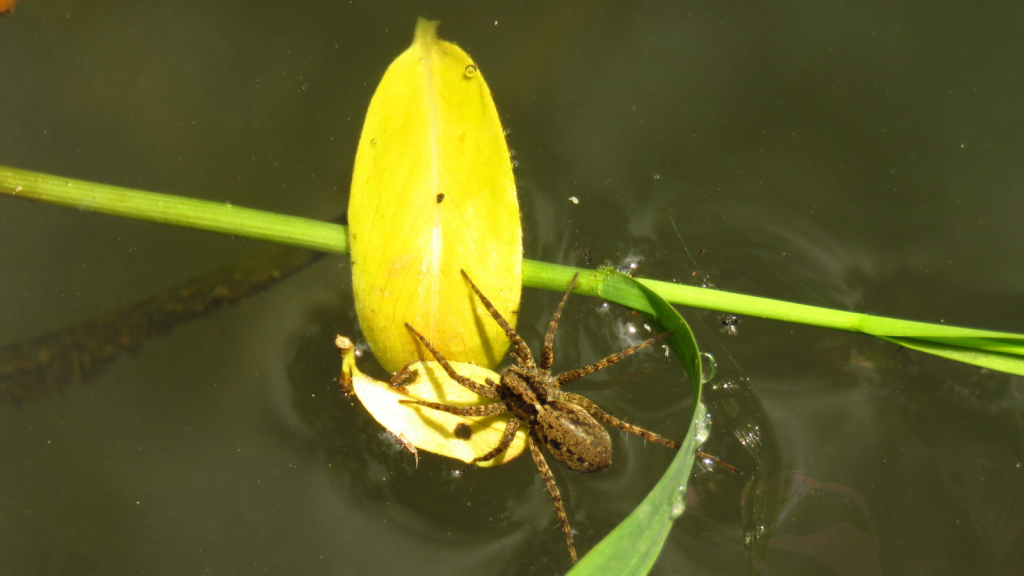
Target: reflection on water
(827,524)
(863,157)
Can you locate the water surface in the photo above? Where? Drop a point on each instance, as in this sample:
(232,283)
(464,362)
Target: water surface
(859,156)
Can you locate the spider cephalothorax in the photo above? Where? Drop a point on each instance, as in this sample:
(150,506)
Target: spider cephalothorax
(566,423)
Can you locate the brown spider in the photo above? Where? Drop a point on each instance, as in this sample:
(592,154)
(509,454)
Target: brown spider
(566,423)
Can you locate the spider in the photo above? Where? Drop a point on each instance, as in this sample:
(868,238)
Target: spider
(566,423)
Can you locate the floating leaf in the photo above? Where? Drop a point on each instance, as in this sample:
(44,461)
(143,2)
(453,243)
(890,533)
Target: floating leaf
(426,428)
(433,193)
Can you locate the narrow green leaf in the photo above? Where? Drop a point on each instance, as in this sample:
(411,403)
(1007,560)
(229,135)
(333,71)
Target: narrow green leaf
(633,546)
(992,360)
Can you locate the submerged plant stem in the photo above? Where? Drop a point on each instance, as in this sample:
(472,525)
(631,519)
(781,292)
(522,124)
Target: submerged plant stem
(78,353)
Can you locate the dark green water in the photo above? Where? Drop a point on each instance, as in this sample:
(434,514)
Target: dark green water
(863,156)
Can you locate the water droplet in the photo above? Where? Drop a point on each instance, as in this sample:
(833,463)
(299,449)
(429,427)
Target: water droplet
(471,71)
(657,177)
(678,503)
(373,142)
(515,164)
(712,366)
(511,153)
(703,429)
(677,509)
(507,132)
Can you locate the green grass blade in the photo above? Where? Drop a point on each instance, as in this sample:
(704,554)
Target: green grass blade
(987,348)
(176,210)
(633,546)
(992,360)
(824,317)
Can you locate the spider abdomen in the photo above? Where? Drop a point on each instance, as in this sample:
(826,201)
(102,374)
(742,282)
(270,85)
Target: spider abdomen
(574,438)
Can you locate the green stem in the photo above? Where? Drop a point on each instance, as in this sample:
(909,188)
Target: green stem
(176,210)
(328,237)
(555,277)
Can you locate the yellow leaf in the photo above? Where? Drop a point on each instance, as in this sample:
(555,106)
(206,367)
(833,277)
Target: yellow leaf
(433,193)
(425,428)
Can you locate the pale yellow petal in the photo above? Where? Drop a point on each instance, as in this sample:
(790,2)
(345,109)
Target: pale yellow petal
(428,429)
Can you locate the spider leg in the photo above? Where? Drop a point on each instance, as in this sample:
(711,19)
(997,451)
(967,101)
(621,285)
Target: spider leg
(547,353)
(519,348)
(715,460)
(597,412)
(485,410)
(476,387)
(520,388)
(510,433)
(556,497)
(570,375)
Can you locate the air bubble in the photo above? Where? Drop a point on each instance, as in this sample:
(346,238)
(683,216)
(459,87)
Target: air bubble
(471,71)
(373,142)
(515,164)
(506,132)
